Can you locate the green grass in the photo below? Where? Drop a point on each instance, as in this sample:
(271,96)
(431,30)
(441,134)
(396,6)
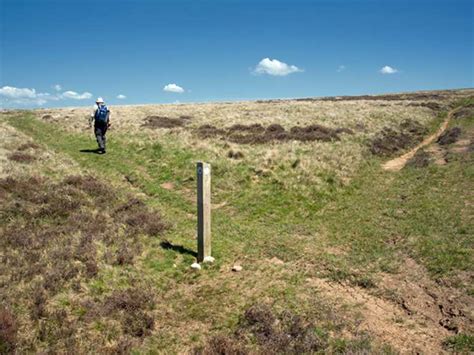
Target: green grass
(375,221)
(418,207)
(460,343)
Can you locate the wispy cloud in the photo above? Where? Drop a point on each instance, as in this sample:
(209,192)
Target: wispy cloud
(341,68)
(57,87)
(388,70)
(26,96)
(121,97)
(76,96)
(17,93)
(275,67)
(173,88)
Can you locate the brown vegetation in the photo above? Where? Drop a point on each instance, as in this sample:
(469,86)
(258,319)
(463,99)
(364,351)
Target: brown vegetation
(27,146)
(8,331)
(209,131)
(464,112)
(450,136)
(258,134)
(421,96)
(390,141)
(235,154)
(262,330)
(420,160)
(21,157)
(165,122)
(435,106)
(50,241)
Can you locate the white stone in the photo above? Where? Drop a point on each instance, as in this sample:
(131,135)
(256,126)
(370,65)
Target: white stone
(209,259)
(196,266)
(237,268)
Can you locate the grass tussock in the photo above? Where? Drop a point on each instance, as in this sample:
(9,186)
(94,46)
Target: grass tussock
(26,146)
(421,159)
(130,307)
(21,157)
(262,330)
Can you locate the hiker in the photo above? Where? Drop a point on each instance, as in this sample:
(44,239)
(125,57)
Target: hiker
(101,118)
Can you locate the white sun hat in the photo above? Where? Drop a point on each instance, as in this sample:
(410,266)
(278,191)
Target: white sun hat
(99,100)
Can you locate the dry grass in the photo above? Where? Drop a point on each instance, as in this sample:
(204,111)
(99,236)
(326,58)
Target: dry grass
(263,330)
(12,145)
(165,122)
(87,274)
(316,140)
(53,240)
(28,146)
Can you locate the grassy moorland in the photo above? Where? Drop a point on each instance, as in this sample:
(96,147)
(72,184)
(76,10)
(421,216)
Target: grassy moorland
(338,255)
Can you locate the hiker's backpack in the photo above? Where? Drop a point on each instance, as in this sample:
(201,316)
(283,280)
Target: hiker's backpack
(102,114)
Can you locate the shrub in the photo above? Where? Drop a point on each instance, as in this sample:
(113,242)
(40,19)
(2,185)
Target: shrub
(8,331)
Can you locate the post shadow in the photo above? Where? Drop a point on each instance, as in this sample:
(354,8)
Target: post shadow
(178,248)
(95,151)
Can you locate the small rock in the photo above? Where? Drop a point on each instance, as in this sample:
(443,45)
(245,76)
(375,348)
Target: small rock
(196,266)
(208,259)
(237,268)
(219,205)
(276,261)
(167,185)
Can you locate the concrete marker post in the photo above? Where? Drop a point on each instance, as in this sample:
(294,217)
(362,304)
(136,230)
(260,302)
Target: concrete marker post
(203,171)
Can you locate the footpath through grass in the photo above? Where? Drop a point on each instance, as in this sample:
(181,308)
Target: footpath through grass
(347,233)
(416,211)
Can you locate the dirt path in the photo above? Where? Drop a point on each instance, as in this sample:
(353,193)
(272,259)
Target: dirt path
(398,163)
(409,310)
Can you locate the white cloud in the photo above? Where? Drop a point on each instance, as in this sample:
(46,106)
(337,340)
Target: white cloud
(275,67)
(76,96)
(25,102)
(388,70)
(341,68)
(57,87)
(17,93)
(26,96)
(173,88)
(121,97)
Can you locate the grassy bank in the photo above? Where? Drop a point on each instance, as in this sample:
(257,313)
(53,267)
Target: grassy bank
(282,230)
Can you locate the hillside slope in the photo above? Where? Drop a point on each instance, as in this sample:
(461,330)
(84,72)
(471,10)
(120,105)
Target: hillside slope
(338,255)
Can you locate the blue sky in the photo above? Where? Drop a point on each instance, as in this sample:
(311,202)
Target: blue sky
(225,50)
